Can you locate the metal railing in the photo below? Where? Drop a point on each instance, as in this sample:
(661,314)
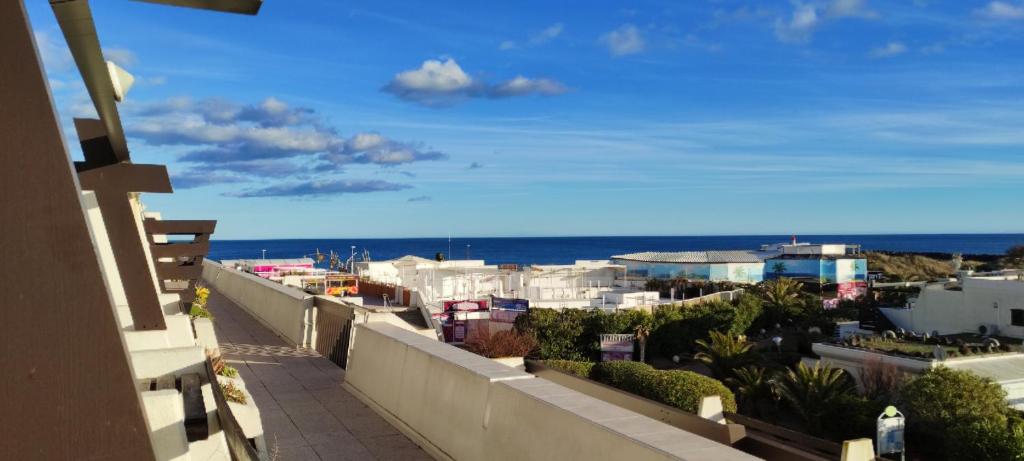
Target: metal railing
(334,330)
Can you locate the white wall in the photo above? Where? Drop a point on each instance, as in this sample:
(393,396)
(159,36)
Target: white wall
(465,407)
(949,311)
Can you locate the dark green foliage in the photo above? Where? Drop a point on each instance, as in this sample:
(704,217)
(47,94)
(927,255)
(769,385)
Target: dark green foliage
(677,388)
(581,369)
(676,329)
(851,416)
(754,387)
(985,441)
(558,333)
(942,402)
(724,354)
(812,393)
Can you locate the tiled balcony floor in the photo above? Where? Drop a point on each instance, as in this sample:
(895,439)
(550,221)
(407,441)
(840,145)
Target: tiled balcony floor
(306,414)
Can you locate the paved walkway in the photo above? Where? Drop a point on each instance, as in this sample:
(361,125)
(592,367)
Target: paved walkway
(306,414)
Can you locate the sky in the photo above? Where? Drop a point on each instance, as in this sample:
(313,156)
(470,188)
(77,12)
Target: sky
(334,119)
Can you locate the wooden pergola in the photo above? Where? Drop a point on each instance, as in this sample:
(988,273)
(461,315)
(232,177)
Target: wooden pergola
(68,390)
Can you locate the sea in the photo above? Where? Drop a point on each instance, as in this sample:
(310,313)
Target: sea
(566,250)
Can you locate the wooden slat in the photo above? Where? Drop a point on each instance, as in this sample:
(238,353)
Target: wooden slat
(179,227)
(179,249)
(173,271)
(196,425)
(126,177)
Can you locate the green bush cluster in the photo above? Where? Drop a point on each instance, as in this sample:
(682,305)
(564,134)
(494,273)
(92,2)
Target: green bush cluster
(954,414)
(574,334)
(581,369)
(677,388)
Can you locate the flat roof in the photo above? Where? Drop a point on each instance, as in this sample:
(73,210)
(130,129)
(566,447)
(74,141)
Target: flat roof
(700,257)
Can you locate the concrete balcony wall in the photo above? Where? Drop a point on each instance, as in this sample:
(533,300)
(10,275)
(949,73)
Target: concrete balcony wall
(462,406)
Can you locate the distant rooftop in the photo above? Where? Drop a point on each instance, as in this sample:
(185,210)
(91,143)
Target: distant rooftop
(699,257)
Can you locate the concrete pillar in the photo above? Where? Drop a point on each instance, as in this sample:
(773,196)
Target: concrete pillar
(858,450)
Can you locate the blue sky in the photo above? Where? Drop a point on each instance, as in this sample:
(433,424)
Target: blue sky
(323,118)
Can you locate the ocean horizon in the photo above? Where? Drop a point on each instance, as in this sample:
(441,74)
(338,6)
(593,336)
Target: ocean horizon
(565,250)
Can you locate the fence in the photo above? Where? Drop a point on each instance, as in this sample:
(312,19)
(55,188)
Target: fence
(334,322)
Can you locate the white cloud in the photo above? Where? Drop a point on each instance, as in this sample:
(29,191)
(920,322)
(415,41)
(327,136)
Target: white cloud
(547,34)
(538,38)
(808,17)
(121,56)
(54,52)
(272,139)
(522,86)
(849,8)
(1002,11)
(799,27)
(438,84)
(434,76)
(889,50)
(624,41)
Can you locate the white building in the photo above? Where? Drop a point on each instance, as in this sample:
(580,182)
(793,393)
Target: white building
(992,302)
(585,284)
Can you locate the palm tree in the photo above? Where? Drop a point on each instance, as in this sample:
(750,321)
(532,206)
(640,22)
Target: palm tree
(810,392)
(724,354)
(643,331)
(781,295)
(752,384)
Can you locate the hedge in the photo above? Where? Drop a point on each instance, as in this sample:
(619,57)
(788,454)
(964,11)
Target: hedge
(677,388)
(581,369)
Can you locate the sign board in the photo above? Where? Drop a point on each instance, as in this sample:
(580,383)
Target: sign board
(890,425)
(464,306)
(851,290)
(616,347)
(505,310)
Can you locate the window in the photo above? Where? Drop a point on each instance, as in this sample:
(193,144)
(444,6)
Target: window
(1017,317)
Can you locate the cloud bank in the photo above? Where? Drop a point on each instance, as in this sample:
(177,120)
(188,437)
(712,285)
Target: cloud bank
(270,141)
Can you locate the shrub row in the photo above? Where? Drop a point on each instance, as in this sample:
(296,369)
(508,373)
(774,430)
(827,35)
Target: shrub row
(676,388)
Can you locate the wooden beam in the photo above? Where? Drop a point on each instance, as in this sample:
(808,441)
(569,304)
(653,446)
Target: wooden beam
(249,7)
(75,20)
(179,249)
(174,271)
(178,227)
(68,391)
(112,184)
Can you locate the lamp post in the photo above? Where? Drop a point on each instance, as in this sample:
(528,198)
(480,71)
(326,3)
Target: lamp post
(264,254)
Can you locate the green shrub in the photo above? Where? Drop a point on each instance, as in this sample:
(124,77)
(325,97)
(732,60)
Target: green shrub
(581,369)
(684,389)
(985,441)
(942,402)
(626,375)
(676,328)
(677,388)
(558,333)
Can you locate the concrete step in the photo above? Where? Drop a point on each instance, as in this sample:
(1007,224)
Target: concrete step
(166,418)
